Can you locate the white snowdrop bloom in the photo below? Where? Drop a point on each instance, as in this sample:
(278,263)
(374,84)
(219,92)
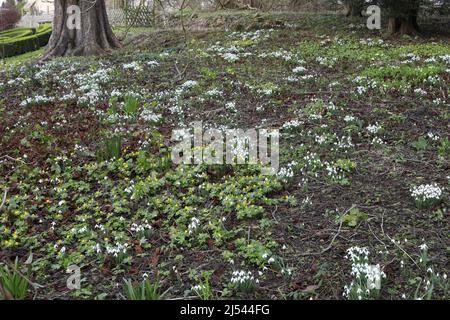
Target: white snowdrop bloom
(149,116)
(68,97)
(140,227)
(230,57)
(377,141)
(97,248)
(361,90)
(243,278)
(231,106)
(426,191)
(420,92)
(433,136)
(374,128)
(295,123)
(423,247)
(446,59)
(152,63)
(349,118)
(438,102)
(285,172)
(299,69)
(36,100)
(214,93)
(189,84)
(116,249)
(132,66)
(193,225)
(320,139)
(292,79)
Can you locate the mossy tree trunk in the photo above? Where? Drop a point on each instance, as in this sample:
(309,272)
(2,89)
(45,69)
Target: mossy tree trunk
(95,36)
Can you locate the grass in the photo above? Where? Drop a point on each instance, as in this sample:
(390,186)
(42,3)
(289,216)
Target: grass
(23,58)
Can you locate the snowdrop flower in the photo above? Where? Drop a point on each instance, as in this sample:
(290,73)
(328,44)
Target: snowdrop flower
(432,136)
(193,225)
(374,128)
(152,63)
(133,66)
(420,92)
(231,106)
(377,141)
(299,70)
(349,118)
(426,192)
(230,57)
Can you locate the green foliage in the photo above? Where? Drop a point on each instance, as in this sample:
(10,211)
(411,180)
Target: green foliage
(203,289)
(444,147)
(404,73)
(245,211)
(131,106)
(353,217)
(12,283)
(421,145)
(146,290)
(111,149)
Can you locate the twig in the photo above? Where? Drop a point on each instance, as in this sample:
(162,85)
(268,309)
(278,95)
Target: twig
(4,199)
(373,233)
(332,240)
(395,243)
(11,158)
(273,213)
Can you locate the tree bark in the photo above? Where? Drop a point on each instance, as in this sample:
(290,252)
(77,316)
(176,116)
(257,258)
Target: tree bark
(404,25)
(95,36)
(352,9)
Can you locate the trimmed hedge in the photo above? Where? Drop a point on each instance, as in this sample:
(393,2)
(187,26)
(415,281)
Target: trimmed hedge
(21,40)
(14,33)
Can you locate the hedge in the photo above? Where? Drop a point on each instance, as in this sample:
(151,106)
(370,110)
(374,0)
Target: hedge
(15,33)
(21,40)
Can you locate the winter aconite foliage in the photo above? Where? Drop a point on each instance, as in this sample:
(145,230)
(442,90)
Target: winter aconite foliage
(358,209)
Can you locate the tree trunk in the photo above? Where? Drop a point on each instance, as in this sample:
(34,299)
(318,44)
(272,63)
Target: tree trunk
(352,9)
(403,25)
(94,37)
